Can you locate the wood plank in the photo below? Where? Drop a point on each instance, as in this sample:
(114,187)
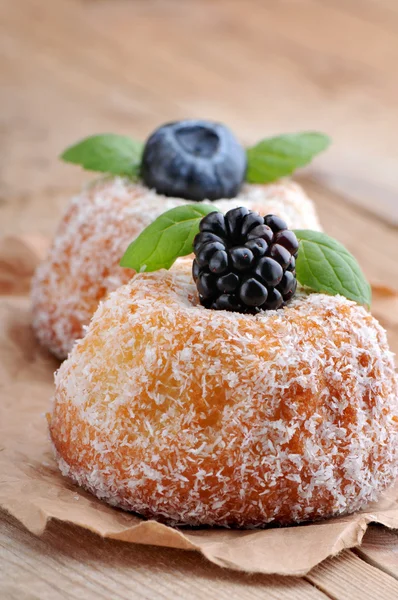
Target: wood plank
(263,68)
(380,549)
(372,242)
(385,8)
(383,13)
(363,234)
(312,53)
(68,562)
(347,576)
(97,48)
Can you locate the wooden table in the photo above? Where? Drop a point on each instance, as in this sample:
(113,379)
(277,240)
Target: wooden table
(70,68)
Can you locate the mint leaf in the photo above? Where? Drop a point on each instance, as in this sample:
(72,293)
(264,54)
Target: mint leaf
(325,265)
(106,153)
(171,235)
(275,157)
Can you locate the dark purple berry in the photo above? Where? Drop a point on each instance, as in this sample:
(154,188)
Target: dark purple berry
(253,293)
(288,240)
(214,222)
(195,270)
(206,252)
(241,258)
(227,302)
(258,246)
(292,265)
(233,221)
(244,262)
(281,255)
(291,291)
(206,284)
(269,271)
(204,238)
(228,283)
(218,262)
(276,223)
(261,231)
(274,300)
(206,302)
(251,221)
(287,283)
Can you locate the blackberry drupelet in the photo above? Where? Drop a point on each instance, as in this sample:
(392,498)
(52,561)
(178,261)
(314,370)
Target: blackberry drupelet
(244,262)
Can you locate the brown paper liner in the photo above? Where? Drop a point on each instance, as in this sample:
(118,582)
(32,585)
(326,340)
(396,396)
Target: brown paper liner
(33,490)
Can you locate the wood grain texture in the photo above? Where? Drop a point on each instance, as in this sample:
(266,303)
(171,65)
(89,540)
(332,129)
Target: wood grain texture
(349,577)
(380,549)
(68,562)
(75,67)
(123,66)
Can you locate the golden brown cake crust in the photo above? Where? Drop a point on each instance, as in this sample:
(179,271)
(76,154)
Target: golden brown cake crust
(206,417)
(83,262)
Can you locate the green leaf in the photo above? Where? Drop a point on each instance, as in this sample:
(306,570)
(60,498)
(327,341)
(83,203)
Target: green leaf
(171,235)
(106,153)
(325,265)
(276,157)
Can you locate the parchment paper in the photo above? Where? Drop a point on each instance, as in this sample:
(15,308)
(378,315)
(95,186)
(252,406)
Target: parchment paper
(34,492)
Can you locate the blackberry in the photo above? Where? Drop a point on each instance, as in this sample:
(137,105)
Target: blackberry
(244,262)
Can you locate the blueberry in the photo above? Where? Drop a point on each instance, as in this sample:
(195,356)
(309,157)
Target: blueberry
(196,160)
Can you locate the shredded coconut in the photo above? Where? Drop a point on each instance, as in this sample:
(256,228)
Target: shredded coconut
(194,416)
(83,262)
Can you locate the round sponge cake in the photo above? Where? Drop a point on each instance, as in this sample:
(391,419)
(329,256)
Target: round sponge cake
(202,417)
(82,265)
